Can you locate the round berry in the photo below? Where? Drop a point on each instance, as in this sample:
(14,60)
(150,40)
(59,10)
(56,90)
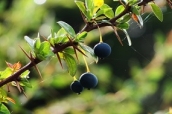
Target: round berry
(76,87)
(102,50)
(88,80)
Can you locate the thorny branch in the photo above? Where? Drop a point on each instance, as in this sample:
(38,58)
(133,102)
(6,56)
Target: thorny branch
(58,48)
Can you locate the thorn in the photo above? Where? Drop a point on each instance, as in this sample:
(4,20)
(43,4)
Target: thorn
(43,38)
(25,53)
(8,87)
(73,48)
(31,58)
(23,92)
(18,86)
(80,50)
(59,60)
(118,37)
(38,71)
(9,64)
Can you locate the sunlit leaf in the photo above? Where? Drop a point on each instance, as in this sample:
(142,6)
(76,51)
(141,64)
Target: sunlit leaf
(81,36)
(108,11)
(37,44)
(81,7)
(44,51)
(3,95)
(61,33)
(157,11)
(4,109)
(67,28)
(71,64)
(61,36)
(69,51)
(29,41)
(119,10)
(6,73)
(25,74)
(89,7)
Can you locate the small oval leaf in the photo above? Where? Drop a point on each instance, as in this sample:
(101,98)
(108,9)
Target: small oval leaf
(71,64)
(67,28)
(4,109)
(157,11)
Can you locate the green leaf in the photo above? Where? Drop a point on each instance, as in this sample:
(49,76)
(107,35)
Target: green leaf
(126,18)
(107,11)
(67,28)
(128,37)
(119,9)
(52,41)
(29,41)
(157,11)
(4,109)
(3,95)
(89,50)
(61,33)
(123,25)
(81,7)
(133,2)
(135,10)
(61,36)
(81,36)
(25,74)
(37,44)
(100,12)
(71,64)
(44,51)
(6,73)
(90,7)
(69,50)
(51,37)
(25,82)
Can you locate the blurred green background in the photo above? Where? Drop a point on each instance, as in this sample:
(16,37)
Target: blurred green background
(132,80)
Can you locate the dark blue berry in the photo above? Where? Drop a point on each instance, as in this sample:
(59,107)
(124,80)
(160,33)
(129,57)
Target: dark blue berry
(76,87)
(88,80)
(102,50)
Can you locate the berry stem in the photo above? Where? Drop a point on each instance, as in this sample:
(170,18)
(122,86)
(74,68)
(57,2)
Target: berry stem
(74,78)
(101,39)
(86,64)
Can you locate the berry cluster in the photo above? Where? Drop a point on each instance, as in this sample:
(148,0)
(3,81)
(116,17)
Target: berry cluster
(89,80)
(86,80)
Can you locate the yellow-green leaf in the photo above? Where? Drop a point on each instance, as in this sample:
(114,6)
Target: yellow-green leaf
(157,11)
(67,28)
(71,64)
(4,109)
